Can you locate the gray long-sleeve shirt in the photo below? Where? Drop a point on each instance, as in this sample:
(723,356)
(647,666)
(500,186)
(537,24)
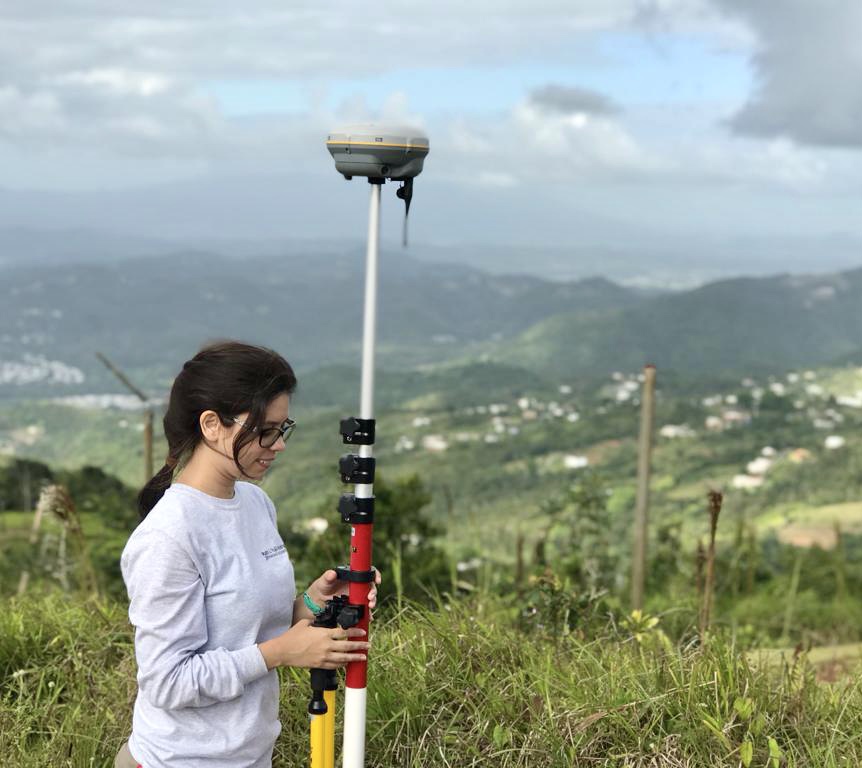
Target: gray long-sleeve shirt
(208,579)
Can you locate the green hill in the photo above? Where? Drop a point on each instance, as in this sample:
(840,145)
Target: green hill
(149,315)
(750,326)
(434,387)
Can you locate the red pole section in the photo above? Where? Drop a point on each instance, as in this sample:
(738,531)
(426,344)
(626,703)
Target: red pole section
(360,560)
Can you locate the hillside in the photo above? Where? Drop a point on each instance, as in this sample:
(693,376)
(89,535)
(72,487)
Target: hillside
(764,325)
(150,315)
(497,456)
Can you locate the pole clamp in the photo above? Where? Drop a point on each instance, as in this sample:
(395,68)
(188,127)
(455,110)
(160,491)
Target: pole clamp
(339,612)
(355,510)
(328,616)
(350,616)
(357,431)
(357,577)
(356,469)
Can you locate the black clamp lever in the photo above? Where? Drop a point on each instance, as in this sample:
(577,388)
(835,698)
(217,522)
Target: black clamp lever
(357,431)
(355,510)
(339,612)
(356,469)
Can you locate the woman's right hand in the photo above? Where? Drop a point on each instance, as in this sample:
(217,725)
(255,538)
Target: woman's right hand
(322,648)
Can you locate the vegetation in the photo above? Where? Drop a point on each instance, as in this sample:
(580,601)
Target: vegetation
(748,325)
(502,487)
(458,685)
(503,531)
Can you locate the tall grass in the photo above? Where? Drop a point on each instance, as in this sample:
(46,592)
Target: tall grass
(457,686)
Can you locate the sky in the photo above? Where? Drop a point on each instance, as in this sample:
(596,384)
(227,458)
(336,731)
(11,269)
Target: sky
(585,122)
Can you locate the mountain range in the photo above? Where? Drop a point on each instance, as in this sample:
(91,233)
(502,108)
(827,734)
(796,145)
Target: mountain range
(148,314)
(746,325)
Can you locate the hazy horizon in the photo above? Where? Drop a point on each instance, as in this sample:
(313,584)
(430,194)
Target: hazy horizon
(676,126)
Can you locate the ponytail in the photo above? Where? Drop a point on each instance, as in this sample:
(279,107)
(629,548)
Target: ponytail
(155,489)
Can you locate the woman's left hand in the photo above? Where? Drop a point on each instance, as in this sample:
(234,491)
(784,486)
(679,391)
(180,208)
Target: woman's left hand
(328,585)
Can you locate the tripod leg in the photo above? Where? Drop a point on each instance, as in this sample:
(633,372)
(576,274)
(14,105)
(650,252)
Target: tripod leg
(317,724)
(317,714)
(329,729)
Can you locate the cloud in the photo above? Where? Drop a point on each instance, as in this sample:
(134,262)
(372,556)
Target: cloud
(119,77)
(775,165)
(190,39)
(692,18)
(127,84)
(118,80)
(555,135)
(113,109)
(572,144)
(809,67)
(568,99)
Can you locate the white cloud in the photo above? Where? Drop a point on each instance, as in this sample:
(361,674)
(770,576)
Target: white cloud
(578,142)
(809,66)
(718,162)
(110,92)
(118,80)
(220,39)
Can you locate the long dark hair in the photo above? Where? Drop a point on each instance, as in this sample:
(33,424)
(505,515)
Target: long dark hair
(228,377)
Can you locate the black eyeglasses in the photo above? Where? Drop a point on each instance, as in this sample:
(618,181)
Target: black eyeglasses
(269,437)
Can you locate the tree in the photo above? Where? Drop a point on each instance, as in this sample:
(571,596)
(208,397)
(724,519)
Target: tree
(21,481)
(578,540)
(404,549)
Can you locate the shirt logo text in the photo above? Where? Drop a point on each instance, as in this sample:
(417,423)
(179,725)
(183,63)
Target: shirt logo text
(272,552)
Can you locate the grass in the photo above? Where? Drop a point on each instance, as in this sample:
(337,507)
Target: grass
(104,543)
(456,686)
(830,663)
(849,514)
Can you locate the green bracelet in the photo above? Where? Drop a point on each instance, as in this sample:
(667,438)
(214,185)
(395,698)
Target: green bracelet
(310,604)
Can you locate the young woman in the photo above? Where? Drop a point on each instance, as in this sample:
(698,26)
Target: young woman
(211,587)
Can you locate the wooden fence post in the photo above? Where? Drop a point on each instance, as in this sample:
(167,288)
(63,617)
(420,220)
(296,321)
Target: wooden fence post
(642,504)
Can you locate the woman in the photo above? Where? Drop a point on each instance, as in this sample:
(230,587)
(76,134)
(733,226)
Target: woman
(211,587)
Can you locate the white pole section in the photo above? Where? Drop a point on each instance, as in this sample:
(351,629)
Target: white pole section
(354,727)
(366,407)
(355,691)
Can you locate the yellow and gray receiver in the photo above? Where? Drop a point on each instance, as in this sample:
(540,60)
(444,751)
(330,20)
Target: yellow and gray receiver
(394,152)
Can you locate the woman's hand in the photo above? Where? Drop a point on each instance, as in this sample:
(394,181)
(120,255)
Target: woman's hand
(328,585)
(306,646)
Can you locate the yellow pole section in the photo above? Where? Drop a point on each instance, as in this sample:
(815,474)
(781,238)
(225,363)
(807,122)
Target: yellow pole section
(318,740)
(329,738)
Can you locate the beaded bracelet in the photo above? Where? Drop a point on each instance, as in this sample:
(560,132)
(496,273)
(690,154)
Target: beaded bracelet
(310,604)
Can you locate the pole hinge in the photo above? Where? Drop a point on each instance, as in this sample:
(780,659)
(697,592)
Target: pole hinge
(357,431)
(356,469)
(355,510)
